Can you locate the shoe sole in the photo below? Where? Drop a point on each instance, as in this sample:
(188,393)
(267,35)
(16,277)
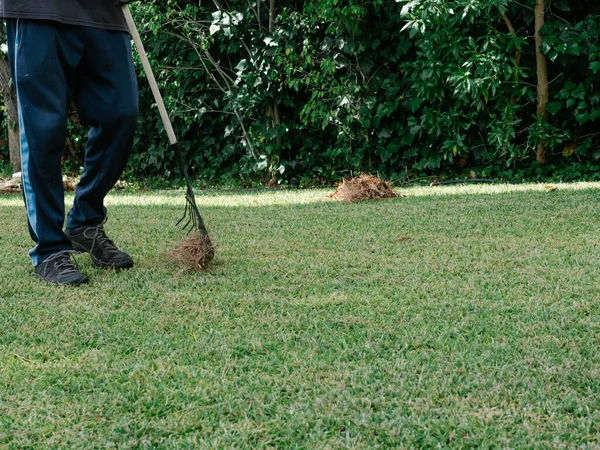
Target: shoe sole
(84,280)
(100,263)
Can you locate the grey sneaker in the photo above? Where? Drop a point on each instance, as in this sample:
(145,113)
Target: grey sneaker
(102,250)
(59,269)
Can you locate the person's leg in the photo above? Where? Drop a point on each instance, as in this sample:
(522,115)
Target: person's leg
(43,56)
(106,96)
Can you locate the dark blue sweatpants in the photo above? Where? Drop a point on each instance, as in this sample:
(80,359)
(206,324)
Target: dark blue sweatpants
(51,65)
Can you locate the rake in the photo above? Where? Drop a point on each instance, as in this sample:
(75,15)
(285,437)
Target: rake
(202,250)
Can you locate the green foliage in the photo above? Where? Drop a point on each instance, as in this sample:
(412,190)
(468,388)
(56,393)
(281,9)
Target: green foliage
(574,50)
(407,88)
(5,169)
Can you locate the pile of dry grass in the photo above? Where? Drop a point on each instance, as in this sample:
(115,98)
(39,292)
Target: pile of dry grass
(363,187)
(9,186)
(195,252)
(70,183)
(12,186)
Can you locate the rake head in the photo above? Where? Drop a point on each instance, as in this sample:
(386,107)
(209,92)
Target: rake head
(197,250)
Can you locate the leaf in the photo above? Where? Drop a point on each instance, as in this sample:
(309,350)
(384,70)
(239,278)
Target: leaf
(383,133)
(270,42)
(242,65)
(553,107)
(406,8)
(569,150)
(574,49)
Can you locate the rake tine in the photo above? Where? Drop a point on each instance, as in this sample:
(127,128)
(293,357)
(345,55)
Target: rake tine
(185,214)
(180,220)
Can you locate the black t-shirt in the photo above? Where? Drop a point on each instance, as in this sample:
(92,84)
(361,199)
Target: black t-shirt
(92,13)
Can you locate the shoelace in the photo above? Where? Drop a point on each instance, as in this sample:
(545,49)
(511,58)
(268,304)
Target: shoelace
(99,236)
(62,262)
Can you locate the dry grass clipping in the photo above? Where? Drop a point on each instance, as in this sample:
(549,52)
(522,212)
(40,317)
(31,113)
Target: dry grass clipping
(12,186)
(9,186)
(363,187)
(70,183)
(195,252)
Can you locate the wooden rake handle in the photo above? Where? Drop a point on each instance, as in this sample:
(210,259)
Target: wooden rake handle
(149,73)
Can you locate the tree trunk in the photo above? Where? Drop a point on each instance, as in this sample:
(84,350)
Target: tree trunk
(10,103)
(271,15)
(513,33)
(274,109)
(542,75)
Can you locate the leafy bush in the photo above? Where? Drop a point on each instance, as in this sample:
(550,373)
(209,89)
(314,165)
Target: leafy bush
(283,91)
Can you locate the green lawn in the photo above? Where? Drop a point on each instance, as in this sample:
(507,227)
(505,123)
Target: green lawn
(461,317)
